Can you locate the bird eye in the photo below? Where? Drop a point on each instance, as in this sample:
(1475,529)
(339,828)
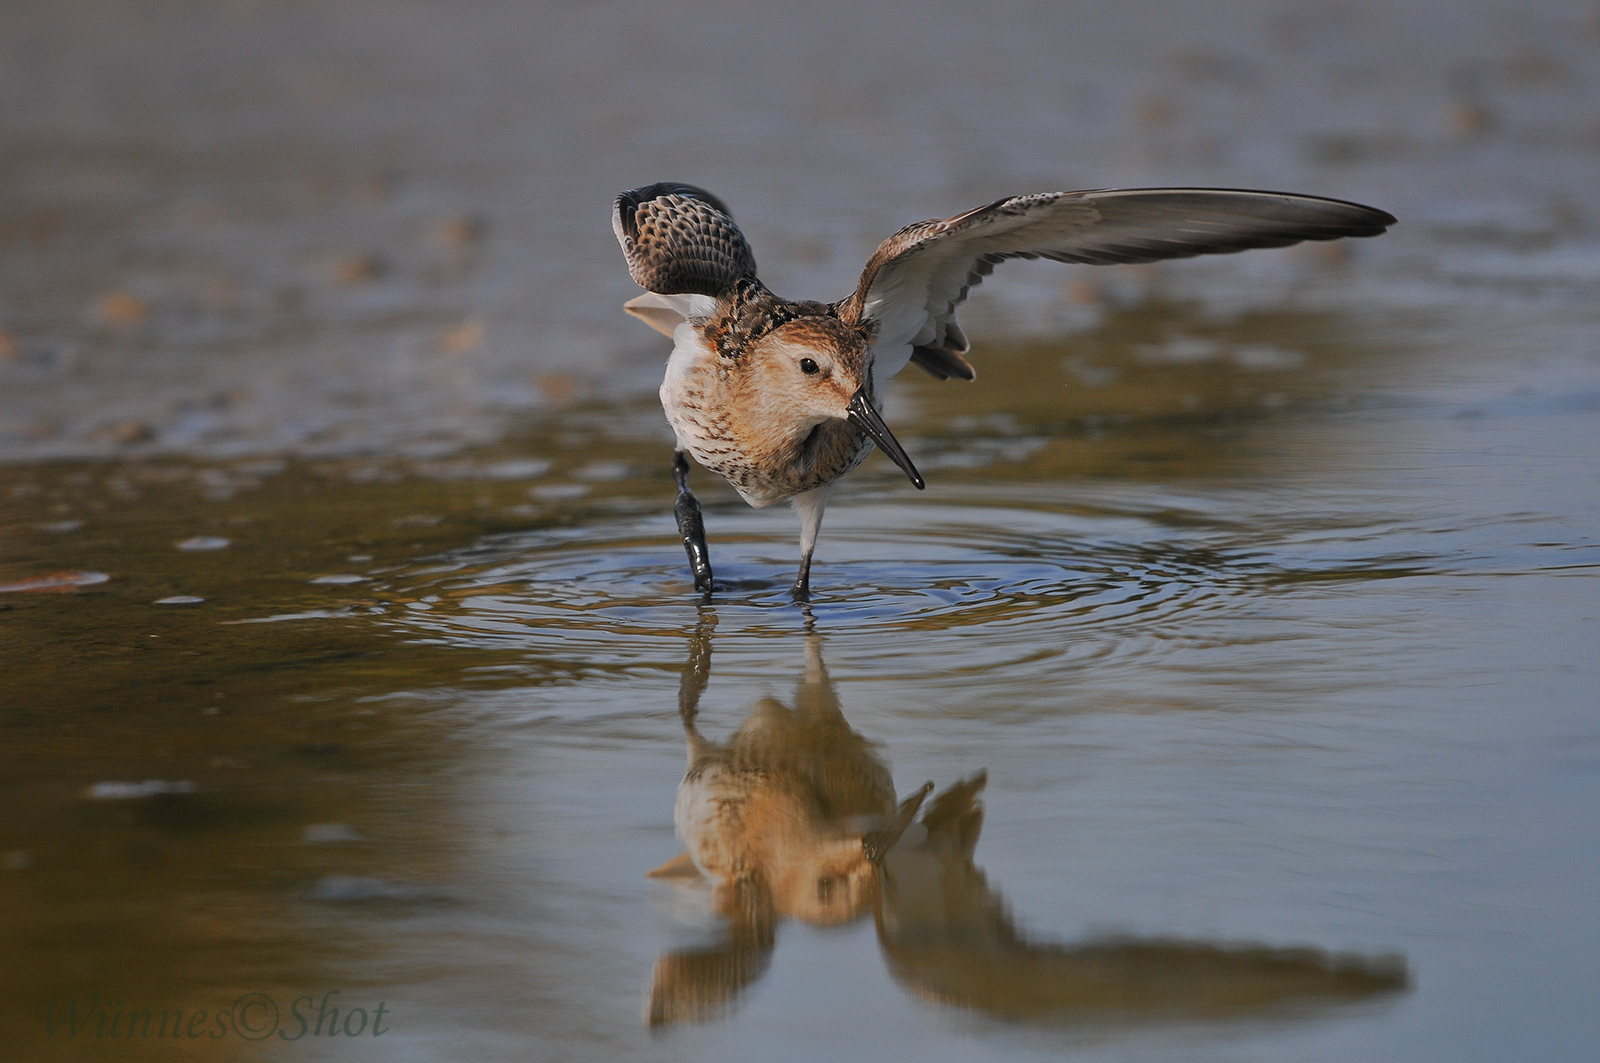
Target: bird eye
(807,366)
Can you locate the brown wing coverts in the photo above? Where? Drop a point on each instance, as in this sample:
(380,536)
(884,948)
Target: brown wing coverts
(680,240)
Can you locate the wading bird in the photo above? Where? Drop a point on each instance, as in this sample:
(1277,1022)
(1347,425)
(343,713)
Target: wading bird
(781,398)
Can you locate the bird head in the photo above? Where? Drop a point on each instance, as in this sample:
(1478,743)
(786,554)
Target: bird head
(828,883)
(815,369)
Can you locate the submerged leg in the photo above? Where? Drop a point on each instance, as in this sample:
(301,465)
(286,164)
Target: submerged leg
(691,528)
(802,582)
(810,506)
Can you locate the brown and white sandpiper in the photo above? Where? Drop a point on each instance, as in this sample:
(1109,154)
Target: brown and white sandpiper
(781,398)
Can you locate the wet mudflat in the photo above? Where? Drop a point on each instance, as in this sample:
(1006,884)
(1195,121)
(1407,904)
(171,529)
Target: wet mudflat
(1245,632)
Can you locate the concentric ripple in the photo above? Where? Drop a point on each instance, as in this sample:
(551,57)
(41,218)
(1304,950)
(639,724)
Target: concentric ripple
(982,586)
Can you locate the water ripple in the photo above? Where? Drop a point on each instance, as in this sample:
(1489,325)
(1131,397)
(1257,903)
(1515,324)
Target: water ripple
(990,586)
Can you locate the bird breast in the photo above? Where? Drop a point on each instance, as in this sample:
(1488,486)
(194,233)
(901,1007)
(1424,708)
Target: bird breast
(768,455)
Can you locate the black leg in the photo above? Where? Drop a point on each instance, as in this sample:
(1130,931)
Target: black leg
(802,582)
(691,528)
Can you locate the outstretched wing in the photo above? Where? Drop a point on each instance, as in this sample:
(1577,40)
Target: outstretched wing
(916,279)
(681,240)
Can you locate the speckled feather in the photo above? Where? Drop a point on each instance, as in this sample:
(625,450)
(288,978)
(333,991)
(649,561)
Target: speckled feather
(680,239)
(748,311)
(716,413)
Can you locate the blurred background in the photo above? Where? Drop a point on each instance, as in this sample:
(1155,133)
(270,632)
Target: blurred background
(346,632)
(265,227)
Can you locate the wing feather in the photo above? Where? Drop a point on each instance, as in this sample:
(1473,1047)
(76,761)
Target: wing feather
(917,278)
(680,240)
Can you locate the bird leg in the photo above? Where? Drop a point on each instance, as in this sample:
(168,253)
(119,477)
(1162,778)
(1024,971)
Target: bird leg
(802,582)
(809,506)
(691,528)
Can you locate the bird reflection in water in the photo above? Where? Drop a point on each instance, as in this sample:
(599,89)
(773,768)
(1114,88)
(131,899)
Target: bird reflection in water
(794,816)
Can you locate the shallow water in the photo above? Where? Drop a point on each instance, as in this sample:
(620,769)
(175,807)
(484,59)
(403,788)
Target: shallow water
(349,647)
(1340,700)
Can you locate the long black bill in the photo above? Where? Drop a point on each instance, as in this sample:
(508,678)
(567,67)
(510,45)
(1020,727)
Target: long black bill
(863,416)
(876,845)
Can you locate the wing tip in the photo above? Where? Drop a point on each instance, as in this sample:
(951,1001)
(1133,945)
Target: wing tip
(1374,218)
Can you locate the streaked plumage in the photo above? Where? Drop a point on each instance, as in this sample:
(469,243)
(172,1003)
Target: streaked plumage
(781,398)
